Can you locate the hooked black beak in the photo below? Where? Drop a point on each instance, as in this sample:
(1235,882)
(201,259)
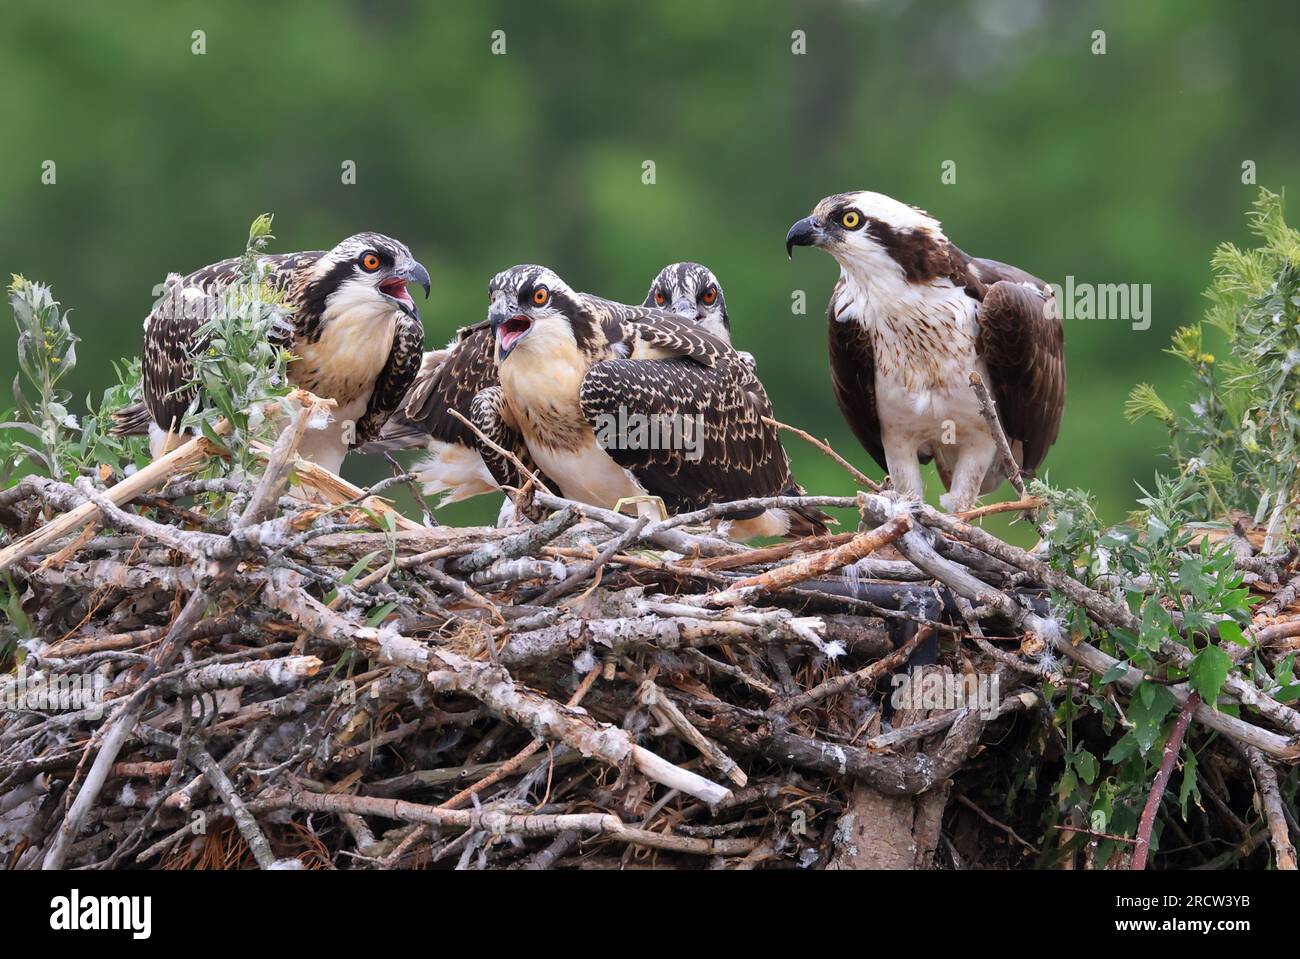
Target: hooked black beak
(806,232)
(416,273)
(508,328)
(394,287)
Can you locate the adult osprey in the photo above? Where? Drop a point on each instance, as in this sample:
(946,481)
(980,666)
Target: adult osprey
(613,402)
(355,335)
(910,318)
(450,379)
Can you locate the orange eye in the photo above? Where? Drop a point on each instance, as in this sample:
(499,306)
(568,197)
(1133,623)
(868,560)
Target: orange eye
(660,299)
(710,295)
(370,262)
(540,296)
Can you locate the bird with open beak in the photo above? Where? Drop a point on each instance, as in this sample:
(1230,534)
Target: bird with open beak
(355,334)
(450,378)
(616,403)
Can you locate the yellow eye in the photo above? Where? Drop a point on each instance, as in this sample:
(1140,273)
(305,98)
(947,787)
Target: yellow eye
(660,299)
(710,295)
(851,219)
(370,262)
(540,296)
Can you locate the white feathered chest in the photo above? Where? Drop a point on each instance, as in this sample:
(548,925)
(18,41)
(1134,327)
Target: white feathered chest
(923,337)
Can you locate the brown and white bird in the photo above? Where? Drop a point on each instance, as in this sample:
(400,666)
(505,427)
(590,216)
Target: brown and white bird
(910,318)
(616,402)
(354,332)
(692,292)
(449,379)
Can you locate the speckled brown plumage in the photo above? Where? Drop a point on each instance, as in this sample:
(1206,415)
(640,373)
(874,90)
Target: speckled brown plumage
(599,359)
(742,456)
(310,282)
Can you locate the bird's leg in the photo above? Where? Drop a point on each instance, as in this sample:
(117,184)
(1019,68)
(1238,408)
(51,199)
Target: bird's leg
(904,468)
(509,515)
(973,462)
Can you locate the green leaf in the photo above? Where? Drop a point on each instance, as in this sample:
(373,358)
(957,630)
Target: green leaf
(357,567)
(1065,788)
(1122,750)
(1289,690)
(1118,671)
(1147,711)
(380,614)
(1086,763)
(1231,632)
(1208,671)
(1156,624)
(210,435)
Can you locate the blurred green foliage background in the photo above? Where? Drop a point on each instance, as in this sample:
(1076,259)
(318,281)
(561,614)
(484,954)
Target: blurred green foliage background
(1117,168)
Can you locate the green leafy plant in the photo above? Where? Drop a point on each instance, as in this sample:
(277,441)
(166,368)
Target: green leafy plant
(47,353)
(1233,451)
(1240,435)
(242,366)
(41,433)
(1183,590)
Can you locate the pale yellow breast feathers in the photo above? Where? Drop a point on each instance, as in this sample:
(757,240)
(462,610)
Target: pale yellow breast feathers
(356,338)
(540,381)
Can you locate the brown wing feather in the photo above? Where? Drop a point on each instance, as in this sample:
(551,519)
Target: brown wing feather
(853,377)
(172,337)
(394,379)
(700,380)
(1022,342)
(468,369)
(669,336)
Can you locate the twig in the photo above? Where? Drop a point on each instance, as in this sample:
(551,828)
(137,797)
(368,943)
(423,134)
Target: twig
(859,477)
(501,450)
(860,677)
(545,718)
(988,410)
(1158,785)
(580,575)
(965,801)
(817,564)
(180,460)
(1270,801)
(114,734)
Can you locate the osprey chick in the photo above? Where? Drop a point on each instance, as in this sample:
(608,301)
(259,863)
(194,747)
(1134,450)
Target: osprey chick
(614,402)
(692,292)
(450,379)
(910,318)
(355,335)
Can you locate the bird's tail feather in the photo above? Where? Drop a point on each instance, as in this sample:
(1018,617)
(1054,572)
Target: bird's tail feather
(806,520)
(398,433)
(132,420)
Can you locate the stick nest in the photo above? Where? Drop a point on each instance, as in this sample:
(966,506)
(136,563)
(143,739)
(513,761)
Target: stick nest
(281,673)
